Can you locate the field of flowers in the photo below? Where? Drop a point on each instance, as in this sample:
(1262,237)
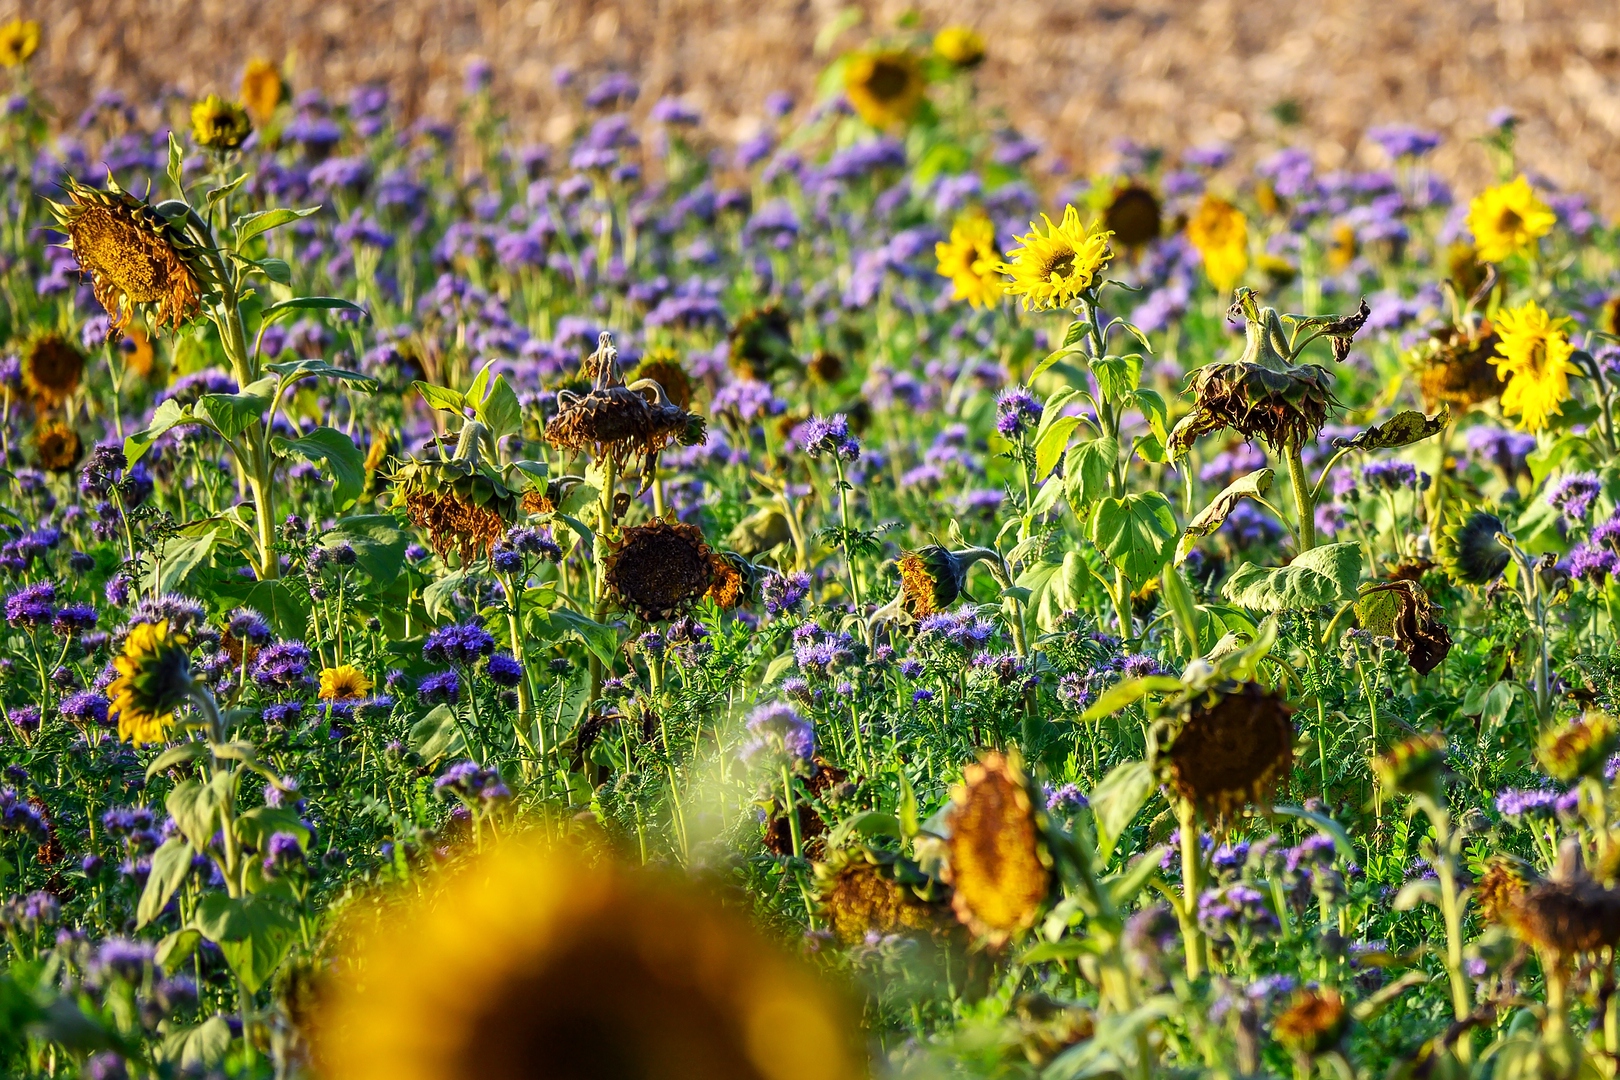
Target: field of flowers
(842,604)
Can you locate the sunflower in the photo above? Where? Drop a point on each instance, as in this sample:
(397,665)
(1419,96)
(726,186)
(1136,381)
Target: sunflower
(1314,1022)
(1054,267)
(998,863)
(1220,234)
(827,368)
(1133,216)
(1508,219)
(1534,361)
(154,679)
(1580,748)
(731,580)
(761,343)
(262,89)
(656,570)
(885,86)
(140,359)
(614,421)
(461,502)
(57,445)
(217,124)
(970,260)
(1609,321)
(931,579)
(1231,748)
(960,46)
(52,369)
(571,968)
(344,683)
(1499,888)
(867,889)
(1415,766)
(1568,914)
(19,39)
(134,256)
(1469,550)
(1457,367)
(663,366)
(1341,248)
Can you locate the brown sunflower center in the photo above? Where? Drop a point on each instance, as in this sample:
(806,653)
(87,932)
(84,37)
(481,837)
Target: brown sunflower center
(1059,266)
(889,81)
(1509,221)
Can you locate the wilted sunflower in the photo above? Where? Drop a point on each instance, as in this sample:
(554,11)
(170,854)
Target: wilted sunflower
(154,679)
(732,580)
(134,256)
(1133,216)
(463,503)
(52,369)
(1469,549)
(970,260)
(762,343)
(19,40)
(262,89)
(1457,367)
(1580,748)
(570,969)
(1231,748)
(1051,269)
(933,577)
(344,683)
(1465,271)
(1220,234)
(1508,219)
(1401,609)
(1314,1022)
(1414,766)
(825,367)
(217,124)
(960,46)
(866,889)
(1568,914)
(57,446)
(614,421)
(999,865)
(1498,889)
(658,569)
(1535,363)
(885,86)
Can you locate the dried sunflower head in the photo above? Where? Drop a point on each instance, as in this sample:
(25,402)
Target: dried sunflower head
(1264,394)
(1134,216)
(998,861)
(1401,609)
(1500,886)
(762,343)
(614,421)
(663,366)
(463,503)
(865,889)
(1568,914)
(1230,747)
(826,368)
(1469,549)
(1314,1022)
(659,569)
(57,446)
(134,255)
(734,578)
(217,124)
(52,367)
(1580,748)
(1456,369)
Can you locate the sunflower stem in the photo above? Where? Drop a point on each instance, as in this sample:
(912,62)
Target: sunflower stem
(1304,497)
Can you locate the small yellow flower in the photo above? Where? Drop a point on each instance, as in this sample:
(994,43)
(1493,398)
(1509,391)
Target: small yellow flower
(344,683)
(1220,233)
(970,260)
(1508,219)
(218,124)
(19,39)
(154,679)
(1534,361)
(961,46)
(1054,267)
(262,90)
(885,87)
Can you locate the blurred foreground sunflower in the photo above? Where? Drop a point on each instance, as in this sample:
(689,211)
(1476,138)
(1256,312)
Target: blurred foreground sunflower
(999,865)
(1457,367)
(570,970)
(960,46)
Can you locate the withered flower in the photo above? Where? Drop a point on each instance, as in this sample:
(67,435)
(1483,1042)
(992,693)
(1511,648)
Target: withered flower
(1314,1022)
(1498,889)
(931,579)
(1401,609)
(1415,766)
(1232,747)
(1580,748)
(733,580)
(57,446)
(762,343)
(461,502)
(1568,914)
(52,369)
(1456,367)
(865,889)
(826,368)
(999,865)
(615,422)
(659,569)
(134,255)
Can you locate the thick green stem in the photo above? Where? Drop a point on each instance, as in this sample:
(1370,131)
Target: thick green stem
(1304,498)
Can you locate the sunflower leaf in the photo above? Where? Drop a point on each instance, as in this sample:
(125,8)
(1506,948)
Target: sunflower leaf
(1402,429)
(1135,533)
(338,451)
(1323,575)
(1117,800)
(1213,516)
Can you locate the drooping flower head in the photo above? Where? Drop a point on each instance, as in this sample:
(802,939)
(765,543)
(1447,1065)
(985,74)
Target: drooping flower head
(1457,367)
(659,569)
(1469,549)
(1134,216)
(1508,219)
(1534,361)
(865,890)
(999,865)
(1230,749)
(1050,269)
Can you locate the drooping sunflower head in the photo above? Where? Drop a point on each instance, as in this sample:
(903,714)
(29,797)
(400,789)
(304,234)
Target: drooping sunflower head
(57,446)
(217,124)
(1508,219)
(1568,914)
(999,864)
(571,969)
(1415,766)
(930,580)
(970,260)
(762,343)
(1498,889)
(135,257)
(344,683)
(734,579)
(19,40)
(659,569)
(1134,216)
(1580,748)
(885,86)
(1469,549)
(1219,232)
(1314,1022)
(262,89)
(1534,359)
(1231,747)
(154,679)
(52,368)
(1050,269)
(960,46)
(865,889)
(1457,368)
(464,506)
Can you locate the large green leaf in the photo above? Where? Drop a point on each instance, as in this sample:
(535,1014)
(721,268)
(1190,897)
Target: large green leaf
(253,932)
(1213,516)
(500,410)
(305,367)
(262,221)
(441,397)
(338,451)
(170,864)
(1088,469)
(601,639)
(1053,441)
(181,555)
(437,734)
(378,542)
(1323,575)
(1135,533)
(1117,800)
(439,596)
(255,827)
(233,414)
(195,807)
(167,415)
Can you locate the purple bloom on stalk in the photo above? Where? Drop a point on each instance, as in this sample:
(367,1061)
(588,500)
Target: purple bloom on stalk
(442,687)
(675,112)
(31,606)
(1593,563)
(504,670)
(284,852)
(85,707)
(783,593)
(73,619)
(458,644)
(1017,411)
(1515,803)
(1404,141)
(121,958)
(1390,475)
(611,89)
(1573,495)
(821,435)
(778,736)
(469,780)
(1067,799)
(282,666)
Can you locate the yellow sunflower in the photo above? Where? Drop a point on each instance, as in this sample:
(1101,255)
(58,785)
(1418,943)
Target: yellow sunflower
(154,679)
(1054,267)
(1508,219)
(884,86)
(960,46)
(1220,233)
(344,683)
(1534,361)
(969,258)
(19,39)
(262,89)
(218,124)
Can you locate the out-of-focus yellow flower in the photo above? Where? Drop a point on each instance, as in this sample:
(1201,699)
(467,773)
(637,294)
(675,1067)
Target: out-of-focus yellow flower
(1508,219)
(1534,361)
(969,258)
(962,46)
(344,683)
(262,90)
(19,39)
(531,961)
(1220,233)
(885,86)
(217,124)
(1054,267)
